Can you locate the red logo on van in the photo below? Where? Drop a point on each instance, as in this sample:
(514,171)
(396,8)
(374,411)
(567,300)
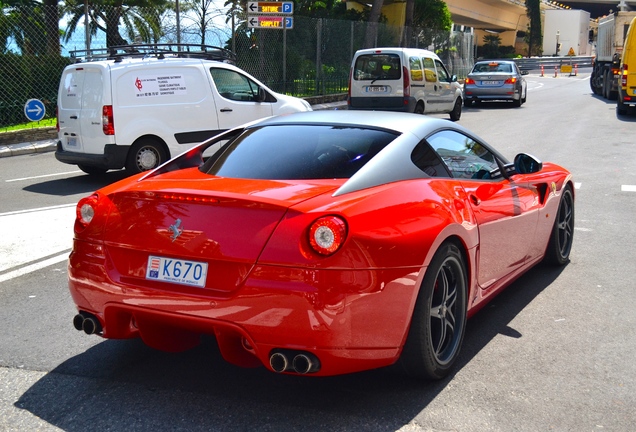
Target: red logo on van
(138,84)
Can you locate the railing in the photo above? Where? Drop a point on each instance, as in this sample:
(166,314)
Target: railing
(535,63)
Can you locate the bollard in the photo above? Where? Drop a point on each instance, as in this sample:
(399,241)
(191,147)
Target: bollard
(555,71)
(576,69)
(542,70)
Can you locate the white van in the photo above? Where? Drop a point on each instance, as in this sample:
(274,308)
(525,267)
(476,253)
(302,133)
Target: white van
(403,79)
(137,106)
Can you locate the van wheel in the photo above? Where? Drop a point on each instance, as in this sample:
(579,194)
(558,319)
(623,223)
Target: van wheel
(456,113)
(419,108)
(92,170)
(145,155)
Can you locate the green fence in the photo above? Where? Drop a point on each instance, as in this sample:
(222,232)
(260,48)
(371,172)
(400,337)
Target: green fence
(312,58)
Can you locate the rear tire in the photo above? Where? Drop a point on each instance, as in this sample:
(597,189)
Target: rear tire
(456,113)
(419,108)
(144,155)
(439,318)
(560,244)
(92,170)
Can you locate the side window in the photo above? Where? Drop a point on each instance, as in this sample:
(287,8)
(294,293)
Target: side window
(416,69)
(429,70)
(441,71)
(425,158)
(464,157)
(234,86)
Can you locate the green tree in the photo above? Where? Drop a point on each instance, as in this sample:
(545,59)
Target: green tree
(534,36)
(202,13)
(141,19)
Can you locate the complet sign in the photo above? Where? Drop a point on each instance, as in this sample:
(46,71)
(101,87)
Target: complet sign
(272,22)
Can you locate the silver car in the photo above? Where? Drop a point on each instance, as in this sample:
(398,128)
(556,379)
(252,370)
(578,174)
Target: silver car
(495,80)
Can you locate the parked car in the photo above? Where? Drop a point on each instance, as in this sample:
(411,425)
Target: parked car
(403,79)
(136,106)
(318,243)
(496,80)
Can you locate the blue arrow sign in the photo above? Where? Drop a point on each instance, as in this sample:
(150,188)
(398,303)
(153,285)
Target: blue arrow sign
(34,110)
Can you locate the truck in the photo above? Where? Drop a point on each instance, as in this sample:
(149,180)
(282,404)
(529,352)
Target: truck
(609,47)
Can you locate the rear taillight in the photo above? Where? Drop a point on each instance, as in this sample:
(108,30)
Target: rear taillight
(511,80)
(108,124)
(85,211)
(327,234)
(624,76)
(469,81)
(57,118)
(406,82)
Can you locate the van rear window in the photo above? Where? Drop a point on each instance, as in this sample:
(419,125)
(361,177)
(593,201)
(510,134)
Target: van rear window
(377,67)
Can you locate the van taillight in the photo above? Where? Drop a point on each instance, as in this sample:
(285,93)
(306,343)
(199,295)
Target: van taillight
(406,82)
(108,124)
(57,118)
(624,76)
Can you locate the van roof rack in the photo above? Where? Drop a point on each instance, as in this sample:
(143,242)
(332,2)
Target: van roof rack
(157,50)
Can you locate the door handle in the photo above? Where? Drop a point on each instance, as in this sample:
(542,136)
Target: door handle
(226,109)
(474,199)
(74,117)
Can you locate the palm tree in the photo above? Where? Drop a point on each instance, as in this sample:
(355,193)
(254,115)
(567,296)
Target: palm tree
(140,18)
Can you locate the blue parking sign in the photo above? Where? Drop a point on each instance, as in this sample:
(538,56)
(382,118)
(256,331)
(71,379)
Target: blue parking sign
(34,110)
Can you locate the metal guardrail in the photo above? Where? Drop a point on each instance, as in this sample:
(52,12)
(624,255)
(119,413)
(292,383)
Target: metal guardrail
(535,63)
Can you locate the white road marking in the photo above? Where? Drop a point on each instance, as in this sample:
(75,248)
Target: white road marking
(628,188)
(42,176)
(33,267)
(577,185)
(33,239)
(37,209)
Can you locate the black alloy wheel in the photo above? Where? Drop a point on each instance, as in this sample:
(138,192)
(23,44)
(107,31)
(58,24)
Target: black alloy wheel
(560,244)
(439,319)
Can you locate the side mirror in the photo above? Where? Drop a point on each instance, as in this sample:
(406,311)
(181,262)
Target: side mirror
(527,164)
(453,78)
(525,72)
(261,95)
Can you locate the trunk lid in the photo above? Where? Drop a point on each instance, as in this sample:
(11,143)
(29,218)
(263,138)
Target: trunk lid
(220,224)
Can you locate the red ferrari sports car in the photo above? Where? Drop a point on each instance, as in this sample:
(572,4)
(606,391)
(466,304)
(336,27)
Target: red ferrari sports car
(318,243)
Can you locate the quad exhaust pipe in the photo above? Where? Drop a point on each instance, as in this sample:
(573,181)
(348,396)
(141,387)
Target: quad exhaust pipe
(87,322)
(294,361)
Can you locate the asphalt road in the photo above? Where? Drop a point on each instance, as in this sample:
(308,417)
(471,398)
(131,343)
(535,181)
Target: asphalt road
(555,351)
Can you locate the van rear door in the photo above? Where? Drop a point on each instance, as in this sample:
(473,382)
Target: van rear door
(80,105)
(377,82)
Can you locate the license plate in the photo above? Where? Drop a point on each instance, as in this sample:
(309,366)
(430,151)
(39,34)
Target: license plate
(178,271)
(376,89)
(491,83)
(71,142)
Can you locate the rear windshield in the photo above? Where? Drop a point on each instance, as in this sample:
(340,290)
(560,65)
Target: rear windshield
(377,66)
(287,152)
(492,67)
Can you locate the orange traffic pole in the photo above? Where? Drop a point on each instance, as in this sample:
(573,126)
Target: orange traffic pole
(542,70)
(555,71)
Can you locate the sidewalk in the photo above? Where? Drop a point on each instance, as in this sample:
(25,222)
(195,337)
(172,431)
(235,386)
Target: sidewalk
(49,145)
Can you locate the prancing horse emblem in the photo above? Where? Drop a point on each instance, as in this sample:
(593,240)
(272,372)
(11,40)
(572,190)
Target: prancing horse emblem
(174,229)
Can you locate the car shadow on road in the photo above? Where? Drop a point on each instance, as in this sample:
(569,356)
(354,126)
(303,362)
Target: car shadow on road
(80,183)
(126,385)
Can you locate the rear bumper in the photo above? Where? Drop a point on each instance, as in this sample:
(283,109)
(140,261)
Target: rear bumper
(399,104)
(500,93)
(114,157)
(351,320)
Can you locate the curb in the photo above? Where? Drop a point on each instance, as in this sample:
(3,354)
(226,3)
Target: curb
(49,145)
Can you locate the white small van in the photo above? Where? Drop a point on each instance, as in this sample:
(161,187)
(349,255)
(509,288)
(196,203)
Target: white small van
(137,106)
(403,79)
